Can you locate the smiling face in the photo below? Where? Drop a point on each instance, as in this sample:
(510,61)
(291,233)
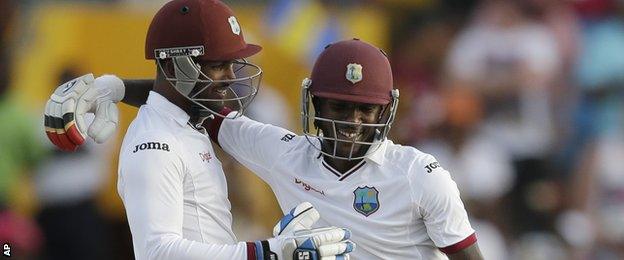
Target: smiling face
(215,70)
(348,119)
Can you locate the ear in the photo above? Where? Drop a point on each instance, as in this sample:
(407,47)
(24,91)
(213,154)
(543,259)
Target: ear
(384,112)
(165,67)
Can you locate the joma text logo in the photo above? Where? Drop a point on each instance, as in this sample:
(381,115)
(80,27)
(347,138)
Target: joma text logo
(151,146)
(432,166)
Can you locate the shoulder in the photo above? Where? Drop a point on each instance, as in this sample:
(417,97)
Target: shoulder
(426,176)
(414,160)
(151,154)
(264,133)
(151,142)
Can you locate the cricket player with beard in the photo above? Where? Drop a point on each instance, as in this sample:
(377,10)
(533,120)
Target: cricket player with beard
(398,202)
(174,193)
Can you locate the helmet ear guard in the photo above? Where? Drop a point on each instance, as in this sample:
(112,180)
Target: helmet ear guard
(187,72)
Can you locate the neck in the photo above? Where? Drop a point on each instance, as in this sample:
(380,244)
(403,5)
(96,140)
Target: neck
(341,165)
(164,88)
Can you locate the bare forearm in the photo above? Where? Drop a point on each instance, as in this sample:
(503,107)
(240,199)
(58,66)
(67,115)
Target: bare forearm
(137,91)
(469,253)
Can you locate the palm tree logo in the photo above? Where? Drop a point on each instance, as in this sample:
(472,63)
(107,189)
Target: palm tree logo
(366,200)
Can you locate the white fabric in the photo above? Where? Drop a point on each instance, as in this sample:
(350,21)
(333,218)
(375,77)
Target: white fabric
(417,213)
(480,167)
(176,200)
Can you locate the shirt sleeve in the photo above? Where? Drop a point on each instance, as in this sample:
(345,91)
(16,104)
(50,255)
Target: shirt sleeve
(441,208)
(256,145)
(151,187)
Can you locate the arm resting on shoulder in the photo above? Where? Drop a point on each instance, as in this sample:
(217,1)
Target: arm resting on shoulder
(137,91)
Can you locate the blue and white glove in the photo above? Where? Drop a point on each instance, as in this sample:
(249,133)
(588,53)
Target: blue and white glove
(296,239)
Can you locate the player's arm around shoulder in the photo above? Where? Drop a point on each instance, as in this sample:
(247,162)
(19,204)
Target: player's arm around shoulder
(248,140)
(439,203)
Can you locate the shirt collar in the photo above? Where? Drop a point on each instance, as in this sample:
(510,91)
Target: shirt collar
(378,155)
(165,106)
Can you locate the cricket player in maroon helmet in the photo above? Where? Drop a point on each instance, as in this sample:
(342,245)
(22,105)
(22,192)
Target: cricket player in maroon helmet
(176,202)
(398,202)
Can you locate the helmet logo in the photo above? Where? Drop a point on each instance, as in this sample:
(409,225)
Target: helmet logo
(234,25)
(354,72)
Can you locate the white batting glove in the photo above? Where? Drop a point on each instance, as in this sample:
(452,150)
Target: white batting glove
(295,239)
(65,110)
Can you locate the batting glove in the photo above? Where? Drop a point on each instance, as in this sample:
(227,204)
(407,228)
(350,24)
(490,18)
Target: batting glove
(296,239)
(64,112)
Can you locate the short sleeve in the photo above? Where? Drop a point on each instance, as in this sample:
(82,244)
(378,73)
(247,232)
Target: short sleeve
(440,206)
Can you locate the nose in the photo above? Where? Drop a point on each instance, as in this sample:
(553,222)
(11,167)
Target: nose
(229,73)
(354,115)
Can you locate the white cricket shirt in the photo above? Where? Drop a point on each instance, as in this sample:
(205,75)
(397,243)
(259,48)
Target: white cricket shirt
(173,188)
(398,202)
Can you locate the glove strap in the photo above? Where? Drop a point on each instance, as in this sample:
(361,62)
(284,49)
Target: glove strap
(260,250)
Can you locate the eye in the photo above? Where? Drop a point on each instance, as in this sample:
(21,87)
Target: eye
(337,106)
(367,108)
(221,65)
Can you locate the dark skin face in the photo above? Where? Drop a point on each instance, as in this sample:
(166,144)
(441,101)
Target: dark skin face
(215,70)
(349,112)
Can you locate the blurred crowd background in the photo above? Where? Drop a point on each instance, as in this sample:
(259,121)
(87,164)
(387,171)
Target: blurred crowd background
(521,100)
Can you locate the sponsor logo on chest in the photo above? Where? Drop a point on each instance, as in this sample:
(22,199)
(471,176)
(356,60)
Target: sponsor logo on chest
(151,146)
(308,187)
(205,156)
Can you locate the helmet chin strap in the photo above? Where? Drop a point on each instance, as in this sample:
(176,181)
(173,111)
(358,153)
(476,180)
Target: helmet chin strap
(187,73)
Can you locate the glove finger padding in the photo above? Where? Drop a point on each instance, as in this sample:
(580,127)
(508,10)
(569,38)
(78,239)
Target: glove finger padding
(59,114)
(336,257)
(301,217)
(86,103)
(49,127)
(306,243)
(105,122)
(57,122)
(340,248)
(69,123)
(323,236)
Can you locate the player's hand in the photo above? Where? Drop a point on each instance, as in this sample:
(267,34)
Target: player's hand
(64,112)
(295,239)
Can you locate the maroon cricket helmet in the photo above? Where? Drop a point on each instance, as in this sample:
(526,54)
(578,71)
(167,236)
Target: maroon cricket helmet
(207,23)
(353,70)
